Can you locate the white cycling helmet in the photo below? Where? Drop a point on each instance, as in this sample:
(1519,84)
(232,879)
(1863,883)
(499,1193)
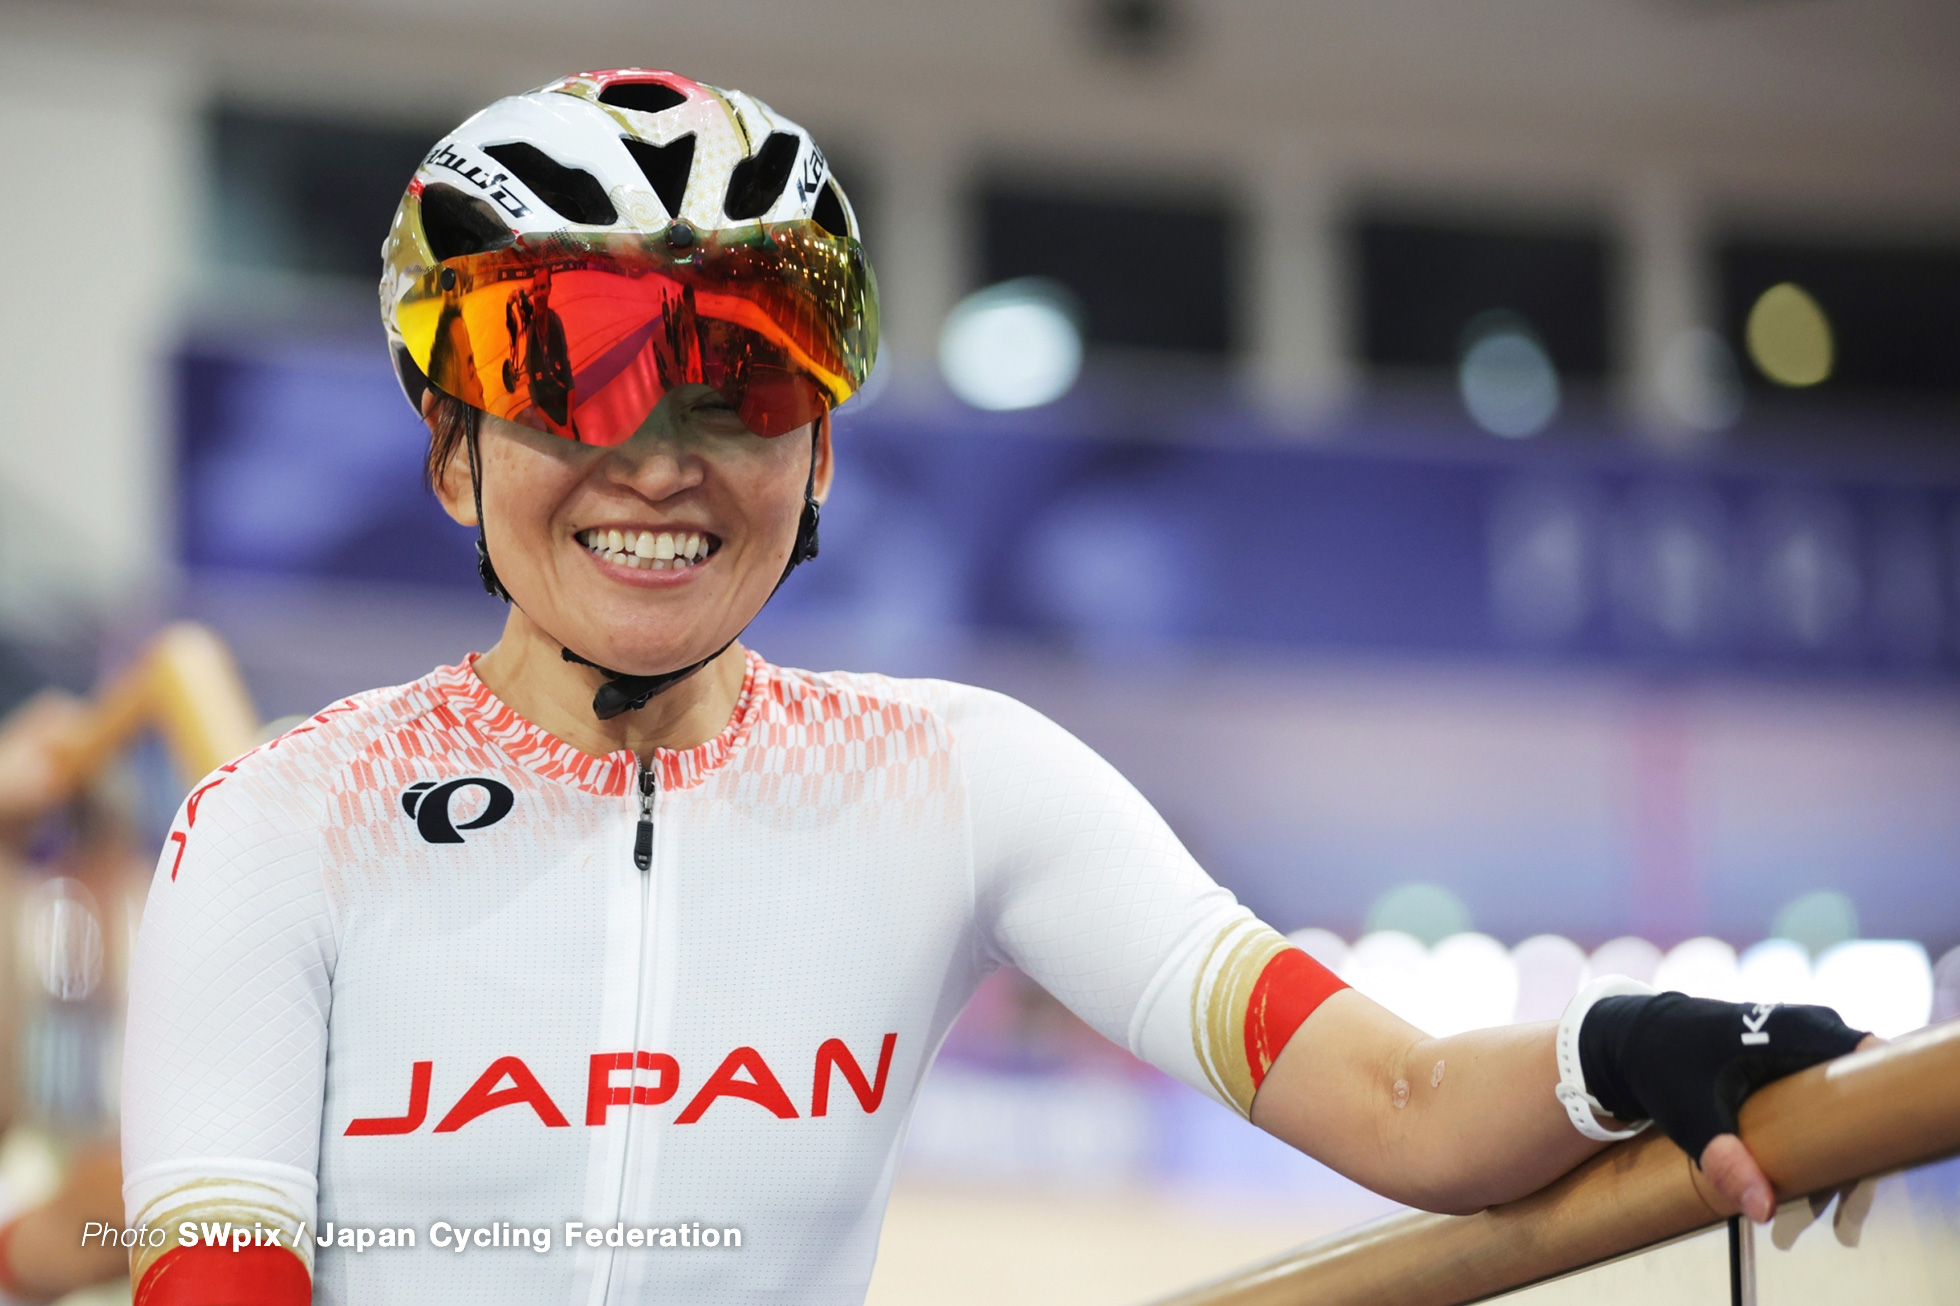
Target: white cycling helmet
(567,255)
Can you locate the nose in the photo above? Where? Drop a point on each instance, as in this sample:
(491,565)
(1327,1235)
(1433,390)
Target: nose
(655,466)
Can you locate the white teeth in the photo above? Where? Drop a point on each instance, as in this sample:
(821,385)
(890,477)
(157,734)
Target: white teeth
(643,550)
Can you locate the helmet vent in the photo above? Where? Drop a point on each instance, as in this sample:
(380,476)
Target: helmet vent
(573,192)
(647,97)
(456,223)
(759,179)
(829,212)
(666,167)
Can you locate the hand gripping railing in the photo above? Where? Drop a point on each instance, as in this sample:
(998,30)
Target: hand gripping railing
(1863,1115)
(185,686)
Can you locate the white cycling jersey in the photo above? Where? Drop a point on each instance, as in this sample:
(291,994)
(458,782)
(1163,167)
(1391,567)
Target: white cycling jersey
(418,964)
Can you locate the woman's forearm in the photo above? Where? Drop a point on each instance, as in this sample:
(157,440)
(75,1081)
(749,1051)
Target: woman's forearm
(1447,1124)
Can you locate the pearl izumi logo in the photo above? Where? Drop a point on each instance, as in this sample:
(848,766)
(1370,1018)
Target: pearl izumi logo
(428,802)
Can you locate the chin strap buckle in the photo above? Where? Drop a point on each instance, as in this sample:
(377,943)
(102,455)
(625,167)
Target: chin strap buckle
(1581,1107)
(487,573)
(623,693)
(805,547)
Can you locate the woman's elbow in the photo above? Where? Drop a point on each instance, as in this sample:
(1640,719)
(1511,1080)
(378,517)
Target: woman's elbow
(1449,1202)
(1443,1184)
(1442,1195)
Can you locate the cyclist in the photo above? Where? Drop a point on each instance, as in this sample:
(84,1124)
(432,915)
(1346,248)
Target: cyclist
(604,966)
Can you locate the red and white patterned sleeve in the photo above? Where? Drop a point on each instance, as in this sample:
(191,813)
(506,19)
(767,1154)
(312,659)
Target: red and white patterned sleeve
(1081,884)
(225,1051)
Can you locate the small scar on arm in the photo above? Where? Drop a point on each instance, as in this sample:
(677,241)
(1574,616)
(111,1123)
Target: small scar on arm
(1436,1076)
(1399,1094)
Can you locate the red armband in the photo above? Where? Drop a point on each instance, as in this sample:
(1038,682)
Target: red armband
(1288,990)
(220,1276)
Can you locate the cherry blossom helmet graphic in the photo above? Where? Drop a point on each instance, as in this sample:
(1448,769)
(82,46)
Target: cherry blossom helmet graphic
(567,257)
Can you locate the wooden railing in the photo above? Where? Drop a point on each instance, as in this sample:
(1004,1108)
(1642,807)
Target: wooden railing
(1864,1115)
(187,688)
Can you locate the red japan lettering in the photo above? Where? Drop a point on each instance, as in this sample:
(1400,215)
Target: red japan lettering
(761,1087)
(418,1108)
(484,1096)
(836,1054)
(601,1092)
(653,1079)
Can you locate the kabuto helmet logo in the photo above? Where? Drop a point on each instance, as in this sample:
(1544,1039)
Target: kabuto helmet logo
(428,802)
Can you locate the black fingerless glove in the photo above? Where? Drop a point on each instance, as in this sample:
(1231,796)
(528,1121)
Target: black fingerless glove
(1688,1063)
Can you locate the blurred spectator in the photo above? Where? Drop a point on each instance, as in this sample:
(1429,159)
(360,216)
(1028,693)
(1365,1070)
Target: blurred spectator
(31,773)
(41,1252)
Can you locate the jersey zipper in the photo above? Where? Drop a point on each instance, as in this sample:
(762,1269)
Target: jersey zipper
(649,788)
(643,837)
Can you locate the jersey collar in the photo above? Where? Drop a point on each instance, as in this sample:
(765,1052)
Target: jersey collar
(546,755)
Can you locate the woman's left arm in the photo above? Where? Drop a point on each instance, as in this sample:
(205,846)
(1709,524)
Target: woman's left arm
(1460,1123)
(1081,884)
(1446,1124)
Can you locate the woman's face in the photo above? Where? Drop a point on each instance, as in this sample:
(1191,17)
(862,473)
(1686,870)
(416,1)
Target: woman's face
(651,555)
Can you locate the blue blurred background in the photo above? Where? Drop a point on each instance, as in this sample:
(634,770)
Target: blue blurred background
(1481,470)
(1585,688)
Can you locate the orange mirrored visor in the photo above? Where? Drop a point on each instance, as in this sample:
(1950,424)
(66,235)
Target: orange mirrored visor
(582,334)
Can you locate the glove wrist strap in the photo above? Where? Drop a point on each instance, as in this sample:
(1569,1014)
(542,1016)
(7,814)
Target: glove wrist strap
(1581,1107)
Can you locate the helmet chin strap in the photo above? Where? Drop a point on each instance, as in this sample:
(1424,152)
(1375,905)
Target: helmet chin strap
(622,692)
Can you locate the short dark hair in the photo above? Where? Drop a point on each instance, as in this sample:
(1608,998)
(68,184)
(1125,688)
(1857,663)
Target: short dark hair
(452,423)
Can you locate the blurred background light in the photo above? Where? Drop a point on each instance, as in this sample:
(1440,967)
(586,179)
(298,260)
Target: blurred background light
(1012,345)
(1324,946)
(1670,569)
(1506,379)
(1550,969)
(1387,965)
(1110,576)
(66,930)
(1817,921)
(1809,575)
(1700,384)
(1883,985)
(1775,970)
(1701,968)
(1946,986)
(1428,912)
(1789,336)
(1468,981)
(1544,545)
(1628,955)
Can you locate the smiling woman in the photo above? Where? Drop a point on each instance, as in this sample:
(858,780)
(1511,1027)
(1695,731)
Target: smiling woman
(733,906)
(649,556)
